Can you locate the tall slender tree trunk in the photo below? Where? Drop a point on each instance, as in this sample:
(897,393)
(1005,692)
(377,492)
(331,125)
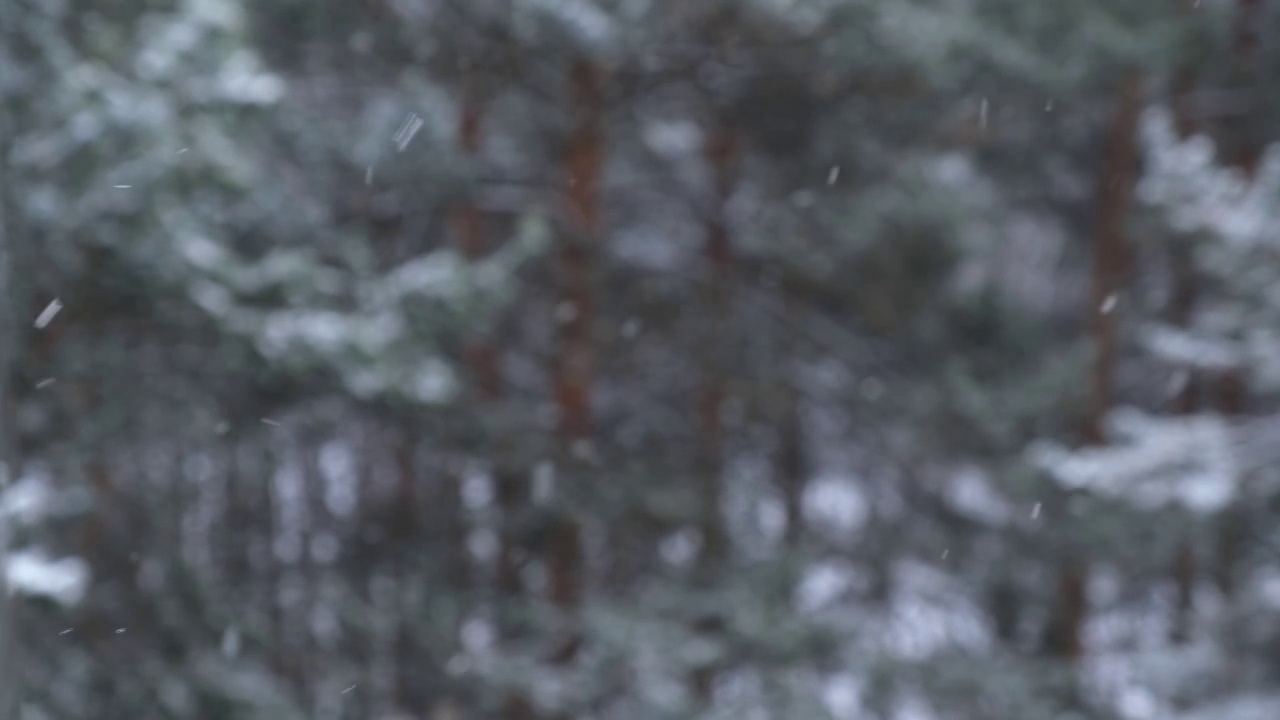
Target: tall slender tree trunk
(575,362)
(1184,81)
(483,360)
(791,463)
(1064,635)
(1229,395)
(1230,389)
(8,349)
(1184,581)
(407,534)
(1245,142)
(481,356)
(721,152)
(1110,254)
(1184,294)
(1182,303)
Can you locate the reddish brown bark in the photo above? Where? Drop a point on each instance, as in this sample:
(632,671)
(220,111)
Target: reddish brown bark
(467,223)
(1115,197)
(1247,22)
(585,147)
(483,361)
(1230,389)
(721,153)
(517,706)
(1242,140)
(575,361)
(482,357)
(564,579)
(1064,634)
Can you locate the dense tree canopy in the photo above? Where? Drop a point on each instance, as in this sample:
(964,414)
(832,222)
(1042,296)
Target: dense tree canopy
(551,359)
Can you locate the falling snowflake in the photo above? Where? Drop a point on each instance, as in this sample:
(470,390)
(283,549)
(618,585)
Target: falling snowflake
(47,315)
(410,127)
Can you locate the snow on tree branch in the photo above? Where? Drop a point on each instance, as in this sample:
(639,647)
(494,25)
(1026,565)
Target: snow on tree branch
(1155,461)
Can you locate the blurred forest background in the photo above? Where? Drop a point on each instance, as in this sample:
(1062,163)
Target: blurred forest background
(640,359)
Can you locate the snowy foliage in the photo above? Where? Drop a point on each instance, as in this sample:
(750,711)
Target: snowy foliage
(1231,224)
(31,572)
(1153,461)
(368,329)
(1184,179)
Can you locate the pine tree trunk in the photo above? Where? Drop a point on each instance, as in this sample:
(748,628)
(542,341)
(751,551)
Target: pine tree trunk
(1182,303)
(1185,292)
(575,361)
(1242,135)
(791,464)
(1005,608)
(8,349)
(1231,387)
(483,360)
(1184,577)
(1064,635)
(1115,197)
(1229,394)
(721,153)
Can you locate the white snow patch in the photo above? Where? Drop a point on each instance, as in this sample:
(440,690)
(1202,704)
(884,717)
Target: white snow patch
(836,502)
(970,492)
(672,138)
(1188,460)
(680,548)
(477,635)
(338,467)
(822,584)
(231,642)
(27,500)
(931,614)
(842,694)
(64,581)
(1179,347)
